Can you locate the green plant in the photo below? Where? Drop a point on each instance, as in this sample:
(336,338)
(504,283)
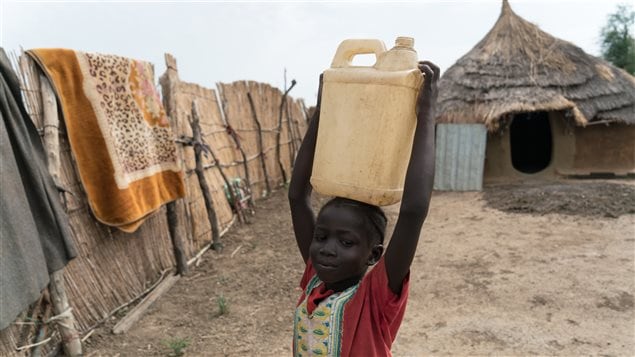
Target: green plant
(223,308)
(177,345)
(618,45)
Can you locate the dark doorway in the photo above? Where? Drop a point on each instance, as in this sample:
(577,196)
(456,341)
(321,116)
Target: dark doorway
(531,142)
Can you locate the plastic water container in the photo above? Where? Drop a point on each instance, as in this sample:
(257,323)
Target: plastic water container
(367,122)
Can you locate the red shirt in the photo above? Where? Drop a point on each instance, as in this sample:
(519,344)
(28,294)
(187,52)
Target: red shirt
(360,321)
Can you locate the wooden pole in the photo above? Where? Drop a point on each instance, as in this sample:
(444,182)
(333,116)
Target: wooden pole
(197,141)
(291,134)
(230,189)
(138,311)
(260,149)
(51,130)
(230,130)
(279,132)
(243,154)
(234,136)
(65,321)
(169,82)
(246,169)
(61,307)
(36,351)
(177,242)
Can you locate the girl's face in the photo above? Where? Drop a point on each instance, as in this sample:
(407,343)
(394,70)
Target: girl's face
(341,249)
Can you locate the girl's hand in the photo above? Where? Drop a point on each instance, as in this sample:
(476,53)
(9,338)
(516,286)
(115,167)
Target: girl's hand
(426,104)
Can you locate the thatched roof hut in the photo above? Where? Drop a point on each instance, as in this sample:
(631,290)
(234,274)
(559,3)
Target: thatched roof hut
(540,98)
(517,67)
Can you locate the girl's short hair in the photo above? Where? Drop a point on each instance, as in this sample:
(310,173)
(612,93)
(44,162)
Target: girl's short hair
(374,216)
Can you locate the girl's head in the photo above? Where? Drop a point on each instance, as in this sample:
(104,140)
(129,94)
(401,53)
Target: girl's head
(348,238)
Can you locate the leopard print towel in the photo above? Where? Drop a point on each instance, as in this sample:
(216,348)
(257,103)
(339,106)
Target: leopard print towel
(118,132)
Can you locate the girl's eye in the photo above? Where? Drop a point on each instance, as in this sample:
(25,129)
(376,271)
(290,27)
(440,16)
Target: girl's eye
(319,237)
(346,243)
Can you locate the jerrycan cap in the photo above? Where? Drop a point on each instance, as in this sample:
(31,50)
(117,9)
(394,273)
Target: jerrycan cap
(403,41)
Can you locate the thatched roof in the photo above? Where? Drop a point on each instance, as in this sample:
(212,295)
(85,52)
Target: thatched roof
(519,68)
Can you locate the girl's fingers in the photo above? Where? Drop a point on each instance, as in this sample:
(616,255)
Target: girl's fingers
(434,68)
(427,71)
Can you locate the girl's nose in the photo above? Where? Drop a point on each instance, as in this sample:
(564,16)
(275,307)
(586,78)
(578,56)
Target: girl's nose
(328,248)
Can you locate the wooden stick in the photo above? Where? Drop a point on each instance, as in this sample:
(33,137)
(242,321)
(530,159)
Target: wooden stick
(115,310)
(292,147)
(297,134)
(262,154)
(177,242)
(244,156)
(66,324)
(232,133)
(197,140)
(36,352)
(37,344)
(51,132)
(137,312)
(30,78)
(66,321)
(245,168)
(279,132)
(169,84)
(235,203)
(235,251)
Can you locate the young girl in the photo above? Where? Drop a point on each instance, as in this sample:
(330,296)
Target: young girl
(343,311)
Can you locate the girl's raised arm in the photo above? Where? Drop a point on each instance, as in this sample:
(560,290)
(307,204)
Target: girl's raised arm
(418,184)
(300,188)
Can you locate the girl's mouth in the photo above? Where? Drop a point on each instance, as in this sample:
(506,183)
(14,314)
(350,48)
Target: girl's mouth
(326,266)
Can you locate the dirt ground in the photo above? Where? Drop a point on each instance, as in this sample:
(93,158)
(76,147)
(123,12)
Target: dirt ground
(541,269)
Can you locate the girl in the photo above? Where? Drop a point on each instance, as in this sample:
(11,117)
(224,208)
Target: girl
(343,311)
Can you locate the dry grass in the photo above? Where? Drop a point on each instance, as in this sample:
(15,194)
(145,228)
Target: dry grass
(517,68)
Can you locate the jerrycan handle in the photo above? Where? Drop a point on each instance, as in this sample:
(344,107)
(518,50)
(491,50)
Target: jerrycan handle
(351,48)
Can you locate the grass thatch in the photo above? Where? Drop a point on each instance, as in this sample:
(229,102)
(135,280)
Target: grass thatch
(517,67)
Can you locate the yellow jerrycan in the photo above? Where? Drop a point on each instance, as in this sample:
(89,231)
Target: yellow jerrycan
(367,122)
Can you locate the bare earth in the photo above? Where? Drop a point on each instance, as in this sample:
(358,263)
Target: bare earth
(555,279)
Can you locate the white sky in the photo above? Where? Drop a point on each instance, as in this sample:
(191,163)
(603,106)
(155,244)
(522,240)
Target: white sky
(228,41)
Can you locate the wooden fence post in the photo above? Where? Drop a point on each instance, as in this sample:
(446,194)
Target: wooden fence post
(169,83)
(290,127)
(64,316)
(232,196)
(260,148)
(177,242)
(279,131)
(197,142)
(234,136)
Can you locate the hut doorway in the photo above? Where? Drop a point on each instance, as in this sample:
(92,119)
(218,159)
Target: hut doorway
(531,142)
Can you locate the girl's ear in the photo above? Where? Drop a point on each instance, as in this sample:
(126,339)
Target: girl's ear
(375,253)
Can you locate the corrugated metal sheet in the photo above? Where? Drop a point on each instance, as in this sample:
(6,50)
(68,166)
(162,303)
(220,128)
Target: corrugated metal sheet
(460,157)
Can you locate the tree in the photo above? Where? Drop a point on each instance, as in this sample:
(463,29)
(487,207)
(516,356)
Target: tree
(617,43)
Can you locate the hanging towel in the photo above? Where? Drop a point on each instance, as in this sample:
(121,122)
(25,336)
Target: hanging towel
(118,131)
(35,237)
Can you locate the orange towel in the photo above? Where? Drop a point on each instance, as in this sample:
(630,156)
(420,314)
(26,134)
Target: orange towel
(118,131)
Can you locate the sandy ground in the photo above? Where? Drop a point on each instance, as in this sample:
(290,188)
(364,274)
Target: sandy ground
(557,279)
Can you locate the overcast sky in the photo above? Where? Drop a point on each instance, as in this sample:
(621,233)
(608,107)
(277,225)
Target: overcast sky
(228,41)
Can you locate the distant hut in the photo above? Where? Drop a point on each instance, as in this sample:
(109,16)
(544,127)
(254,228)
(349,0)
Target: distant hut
(549,108)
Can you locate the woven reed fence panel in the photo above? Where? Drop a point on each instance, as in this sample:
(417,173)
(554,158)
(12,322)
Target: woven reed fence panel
(112,267)
(211,124)
(266,102)
(219,115)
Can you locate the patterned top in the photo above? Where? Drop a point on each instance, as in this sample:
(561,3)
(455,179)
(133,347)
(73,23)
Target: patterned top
(360,321)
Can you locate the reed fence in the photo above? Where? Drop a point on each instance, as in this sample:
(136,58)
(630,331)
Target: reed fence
(253,132)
